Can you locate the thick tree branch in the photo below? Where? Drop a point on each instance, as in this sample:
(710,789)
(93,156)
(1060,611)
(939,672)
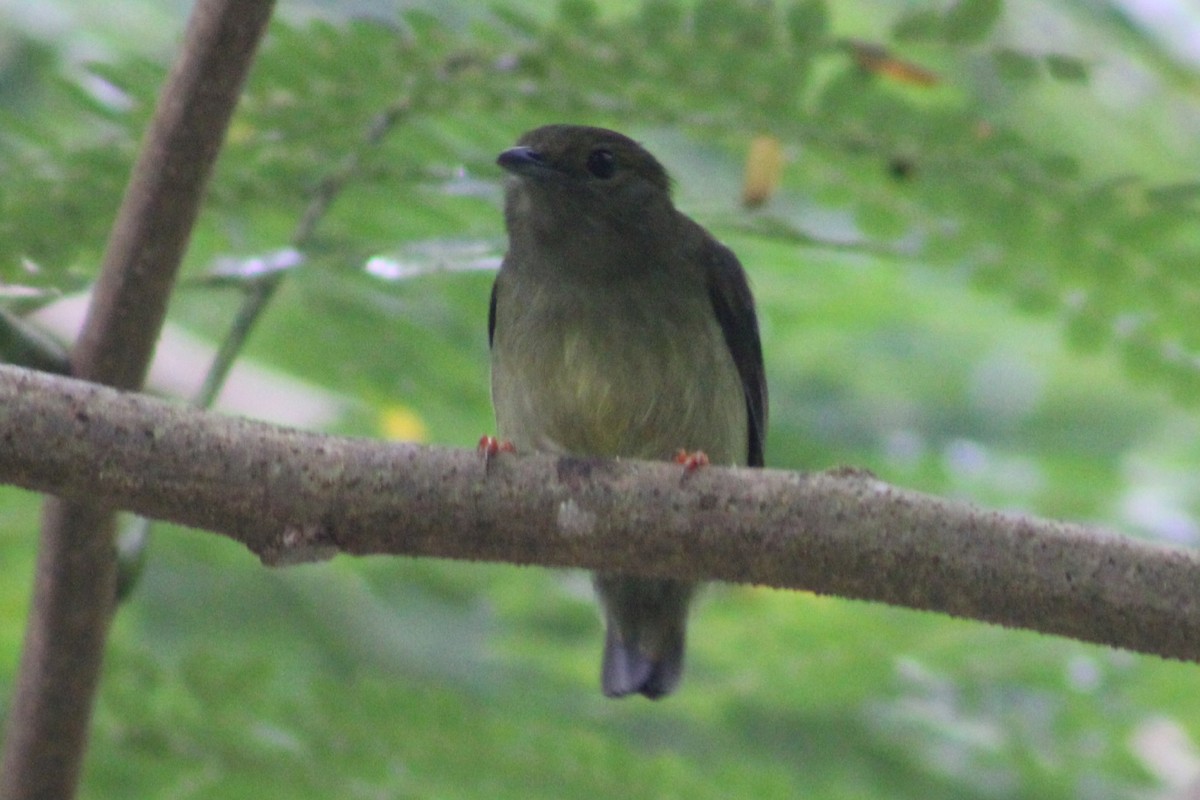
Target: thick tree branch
(166,188)
(292,496)
(75,586)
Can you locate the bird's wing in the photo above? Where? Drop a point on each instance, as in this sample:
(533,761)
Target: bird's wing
(492,312)
(734,306)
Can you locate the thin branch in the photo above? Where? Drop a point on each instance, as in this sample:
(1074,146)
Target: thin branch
(75,586)
(292,496)
(259,293)
(26,344)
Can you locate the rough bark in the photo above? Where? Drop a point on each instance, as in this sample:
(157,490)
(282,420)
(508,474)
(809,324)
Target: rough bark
(46,730)
(293,496)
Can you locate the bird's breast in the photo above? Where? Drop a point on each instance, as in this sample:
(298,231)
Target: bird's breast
(637,374)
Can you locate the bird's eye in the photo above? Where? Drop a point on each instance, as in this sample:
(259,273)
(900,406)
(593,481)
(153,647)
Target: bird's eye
(602,163)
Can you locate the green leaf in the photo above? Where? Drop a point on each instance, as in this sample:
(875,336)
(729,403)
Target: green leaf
(1015,66)
(1061,166)
(1175,194)
(846,96)
(969,21)
(808,24)
(711,19)
(518,19)
(880,220)
(578,14)
(1142,353)
(1184,379)
(1066,68)
(1035,295)
(660,18)
(1087,330)
(922,25)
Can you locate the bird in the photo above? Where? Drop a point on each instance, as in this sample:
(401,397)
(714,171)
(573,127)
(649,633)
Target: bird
(620,327)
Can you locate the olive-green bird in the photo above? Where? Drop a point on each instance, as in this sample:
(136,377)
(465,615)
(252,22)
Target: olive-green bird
(620,327)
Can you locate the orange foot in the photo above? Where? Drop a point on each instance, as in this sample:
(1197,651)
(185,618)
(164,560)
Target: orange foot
(691,461)
(489,446)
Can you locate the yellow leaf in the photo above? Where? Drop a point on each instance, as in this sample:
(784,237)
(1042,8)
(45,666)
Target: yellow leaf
(764,166)
(402,424)
(878,60)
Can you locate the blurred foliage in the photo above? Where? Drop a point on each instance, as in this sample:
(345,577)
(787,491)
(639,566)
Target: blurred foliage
(978,277)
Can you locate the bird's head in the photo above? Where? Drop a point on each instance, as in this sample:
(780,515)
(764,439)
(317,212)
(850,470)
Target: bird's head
(567,176)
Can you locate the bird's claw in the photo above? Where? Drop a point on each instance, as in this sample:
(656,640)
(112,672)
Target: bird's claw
(490,446)
(691,461)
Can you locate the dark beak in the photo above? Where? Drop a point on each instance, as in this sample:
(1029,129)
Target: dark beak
(523,161)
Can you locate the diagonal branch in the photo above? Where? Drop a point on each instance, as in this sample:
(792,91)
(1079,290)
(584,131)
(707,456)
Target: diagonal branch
(292,496)
(74,590)
(259,294)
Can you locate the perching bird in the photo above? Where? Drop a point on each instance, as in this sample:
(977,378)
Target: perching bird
(620,327)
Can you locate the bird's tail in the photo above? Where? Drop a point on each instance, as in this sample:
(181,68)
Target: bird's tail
(646,622)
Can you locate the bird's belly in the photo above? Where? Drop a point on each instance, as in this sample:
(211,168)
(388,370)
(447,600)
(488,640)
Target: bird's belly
(639,391)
